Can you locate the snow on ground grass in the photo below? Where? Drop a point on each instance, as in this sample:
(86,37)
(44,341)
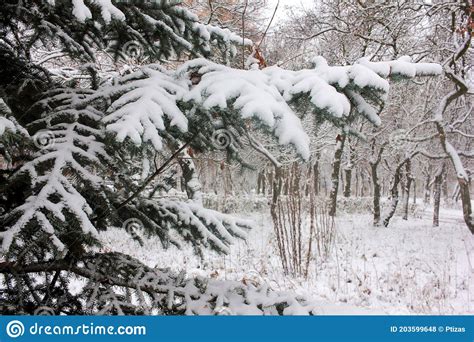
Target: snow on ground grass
(408,268)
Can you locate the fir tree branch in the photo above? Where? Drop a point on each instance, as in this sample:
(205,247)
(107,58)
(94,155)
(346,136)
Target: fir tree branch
(148,180)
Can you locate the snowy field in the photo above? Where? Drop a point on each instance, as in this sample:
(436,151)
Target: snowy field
(408,268)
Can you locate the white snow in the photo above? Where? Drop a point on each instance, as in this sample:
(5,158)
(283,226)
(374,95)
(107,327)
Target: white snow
(146,98)
(458,166)
(364,108)
(402,66)
(251,93)
(5,125)
(151,94)
(108,10)
(428,69)
(409,268)
(80,10)
(64,144)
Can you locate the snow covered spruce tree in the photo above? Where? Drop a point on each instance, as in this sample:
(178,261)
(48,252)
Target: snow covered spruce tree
(91,94)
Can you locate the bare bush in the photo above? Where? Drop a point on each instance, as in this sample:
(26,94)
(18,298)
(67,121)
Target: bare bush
(303,227)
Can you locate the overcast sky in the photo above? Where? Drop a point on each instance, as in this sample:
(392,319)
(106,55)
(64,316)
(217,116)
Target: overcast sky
(285,3)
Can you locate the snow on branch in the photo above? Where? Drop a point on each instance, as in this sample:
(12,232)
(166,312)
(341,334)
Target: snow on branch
(120,284)
(142,102)
(166,17)
(176,221)
(251,93)
(8,122)
(403,66)
(270,95)
(225,39)
(6,125)
(64,149)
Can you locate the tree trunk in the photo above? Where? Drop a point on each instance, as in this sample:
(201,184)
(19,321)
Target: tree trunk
(191,181)
(261,182)
(437,195)
(444,189)
(276,191)
(270,176)
(376,200)
(376,185)
(394,193)
(348,181)
(456,193)
(402,187)
(316,175)
(427,196)
(466,203)
(336,166)
(463,176)
(362,184)
(414,191)
(309,179)
(406,198)
(348,171)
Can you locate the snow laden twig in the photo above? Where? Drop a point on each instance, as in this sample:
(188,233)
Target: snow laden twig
(177,222)
(120,284)
(68,146)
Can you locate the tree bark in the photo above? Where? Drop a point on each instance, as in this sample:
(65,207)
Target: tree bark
(394,194)
(376,185)
(437,195)
(406,198)
(348,181)
(394,191)
(414,191)
(427,195)
(466,202)
(444,189)
(336,166)
(316,175)
(309,179)
(348,171)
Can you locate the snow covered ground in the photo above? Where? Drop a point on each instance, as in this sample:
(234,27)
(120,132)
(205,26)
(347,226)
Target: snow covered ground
(408,268)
